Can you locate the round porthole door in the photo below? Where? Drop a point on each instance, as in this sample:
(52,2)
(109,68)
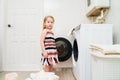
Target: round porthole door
(75,50)
(64,48)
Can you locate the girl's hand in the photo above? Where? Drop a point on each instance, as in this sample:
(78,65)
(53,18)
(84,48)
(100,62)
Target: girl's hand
(45,54)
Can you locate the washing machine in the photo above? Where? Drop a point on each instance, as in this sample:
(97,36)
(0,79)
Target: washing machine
(64,48)
(84,35)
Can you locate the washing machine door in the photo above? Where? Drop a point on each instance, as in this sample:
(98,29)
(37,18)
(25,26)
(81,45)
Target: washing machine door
(64,48)
(75,50)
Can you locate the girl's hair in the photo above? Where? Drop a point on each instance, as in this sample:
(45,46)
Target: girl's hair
(46,19)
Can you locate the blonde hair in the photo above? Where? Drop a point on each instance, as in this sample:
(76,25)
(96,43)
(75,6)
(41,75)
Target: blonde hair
(46,19)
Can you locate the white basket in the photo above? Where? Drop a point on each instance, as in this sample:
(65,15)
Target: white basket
(105,67)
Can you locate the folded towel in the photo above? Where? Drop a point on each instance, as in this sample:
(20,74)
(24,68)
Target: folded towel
(42,75)
(28,79)
(106,49)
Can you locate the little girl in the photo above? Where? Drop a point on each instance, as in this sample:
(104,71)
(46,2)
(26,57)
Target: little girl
(48,47)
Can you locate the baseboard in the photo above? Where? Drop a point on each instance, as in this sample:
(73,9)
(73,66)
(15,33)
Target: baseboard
(29,67)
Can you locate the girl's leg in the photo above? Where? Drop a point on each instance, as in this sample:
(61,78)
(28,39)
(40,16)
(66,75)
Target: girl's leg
(46,68)
(51,68)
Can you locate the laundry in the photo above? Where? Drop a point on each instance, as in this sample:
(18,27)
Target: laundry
(42,75)
(106,49)
(11,76)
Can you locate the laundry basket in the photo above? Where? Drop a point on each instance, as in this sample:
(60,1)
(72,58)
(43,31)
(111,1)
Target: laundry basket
(105,67)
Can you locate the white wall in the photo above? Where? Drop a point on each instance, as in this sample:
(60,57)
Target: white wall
(114,18)
(67,13)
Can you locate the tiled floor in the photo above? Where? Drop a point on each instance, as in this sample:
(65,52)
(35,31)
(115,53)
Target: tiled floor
(64,74)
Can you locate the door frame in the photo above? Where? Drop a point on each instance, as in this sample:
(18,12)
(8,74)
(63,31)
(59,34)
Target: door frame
(2,33)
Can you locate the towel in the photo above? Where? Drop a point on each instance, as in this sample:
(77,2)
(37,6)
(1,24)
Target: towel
(106,49)
(42,75)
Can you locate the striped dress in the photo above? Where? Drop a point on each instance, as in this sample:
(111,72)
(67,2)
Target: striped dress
(51,50)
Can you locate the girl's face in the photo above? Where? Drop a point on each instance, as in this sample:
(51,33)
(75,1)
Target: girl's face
(49,23)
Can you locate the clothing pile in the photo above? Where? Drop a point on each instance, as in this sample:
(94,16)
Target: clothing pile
(42,75)
(11,76)
(106,49)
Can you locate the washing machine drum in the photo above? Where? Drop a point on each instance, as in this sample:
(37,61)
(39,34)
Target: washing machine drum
(64,48)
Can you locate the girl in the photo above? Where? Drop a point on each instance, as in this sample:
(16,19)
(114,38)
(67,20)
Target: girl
(49,51)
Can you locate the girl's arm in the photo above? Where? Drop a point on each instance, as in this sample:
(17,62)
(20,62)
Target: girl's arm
(42,43)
